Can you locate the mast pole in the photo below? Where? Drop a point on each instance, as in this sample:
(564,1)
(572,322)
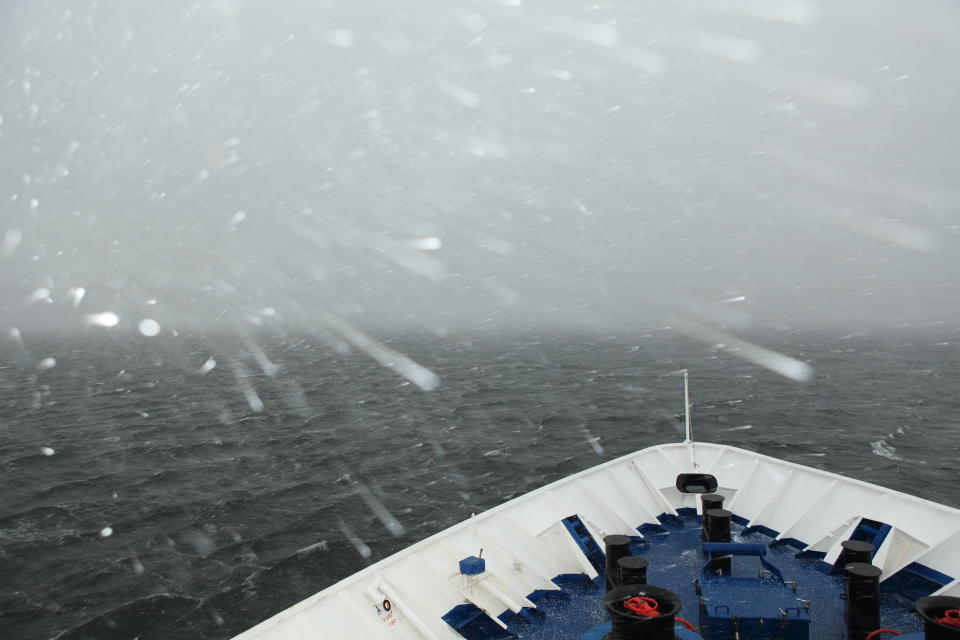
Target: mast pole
(686,415)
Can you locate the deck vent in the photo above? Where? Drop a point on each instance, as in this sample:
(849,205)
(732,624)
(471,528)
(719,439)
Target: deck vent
(696,483)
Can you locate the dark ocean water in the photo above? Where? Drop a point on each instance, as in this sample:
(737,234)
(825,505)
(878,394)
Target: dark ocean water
(220,517)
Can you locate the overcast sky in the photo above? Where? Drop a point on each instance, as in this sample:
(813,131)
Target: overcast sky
(442,163)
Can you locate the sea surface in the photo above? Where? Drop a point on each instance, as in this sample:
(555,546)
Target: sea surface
(150,493)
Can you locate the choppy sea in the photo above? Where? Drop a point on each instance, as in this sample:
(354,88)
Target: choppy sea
(148,493)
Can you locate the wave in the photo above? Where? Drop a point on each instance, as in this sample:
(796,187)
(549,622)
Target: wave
(165,611)
(884,450)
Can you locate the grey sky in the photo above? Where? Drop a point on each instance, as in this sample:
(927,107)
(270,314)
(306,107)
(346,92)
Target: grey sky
(438,162)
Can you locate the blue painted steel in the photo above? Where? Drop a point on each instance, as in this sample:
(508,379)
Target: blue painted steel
(756,628)
(473,624)
(749,600)
(717,549)
(670,520)
(526,615)
(932,575)
(734,549)
(564,618)
(790,542)
(586,542)
(871,531)
(599,631)
(650,528)
(915,581)
(759,528)
(866,530)
(472,566)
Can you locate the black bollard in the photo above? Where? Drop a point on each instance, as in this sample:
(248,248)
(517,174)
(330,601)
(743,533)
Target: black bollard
(863,599)
(855,551)
(628,625)
(710,501)
(615,547)
(935,608)
(632,570)
(718,525)
(718,530)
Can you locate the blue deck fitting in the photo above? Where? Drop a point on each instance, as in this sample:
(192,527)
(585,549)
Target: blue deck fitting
(597,632)
(751,599)
(472,566)
(713,550)
(734,549)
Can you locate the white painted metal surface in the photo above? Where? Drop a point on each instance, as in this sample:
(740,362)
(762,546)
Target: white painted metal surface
(525,543)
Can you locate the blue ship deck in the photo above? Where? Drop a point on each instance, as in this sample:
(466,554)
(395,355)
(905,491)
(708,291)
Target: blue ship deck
(674,549)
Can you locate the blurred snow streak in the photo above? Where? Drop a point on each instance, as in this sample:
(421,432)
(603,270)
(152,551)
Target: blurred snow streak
(383,514)
(406,367)
(768,359)
(242,375)
(11,240)
(355,540)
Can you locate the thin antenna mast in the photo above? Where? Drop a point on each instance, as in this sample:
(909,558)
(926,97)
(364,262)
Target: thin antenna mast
(686,407)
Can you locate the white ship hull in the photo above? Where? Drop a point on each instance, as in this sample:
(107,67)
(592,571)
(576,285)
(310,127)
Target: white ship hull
(525,544)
